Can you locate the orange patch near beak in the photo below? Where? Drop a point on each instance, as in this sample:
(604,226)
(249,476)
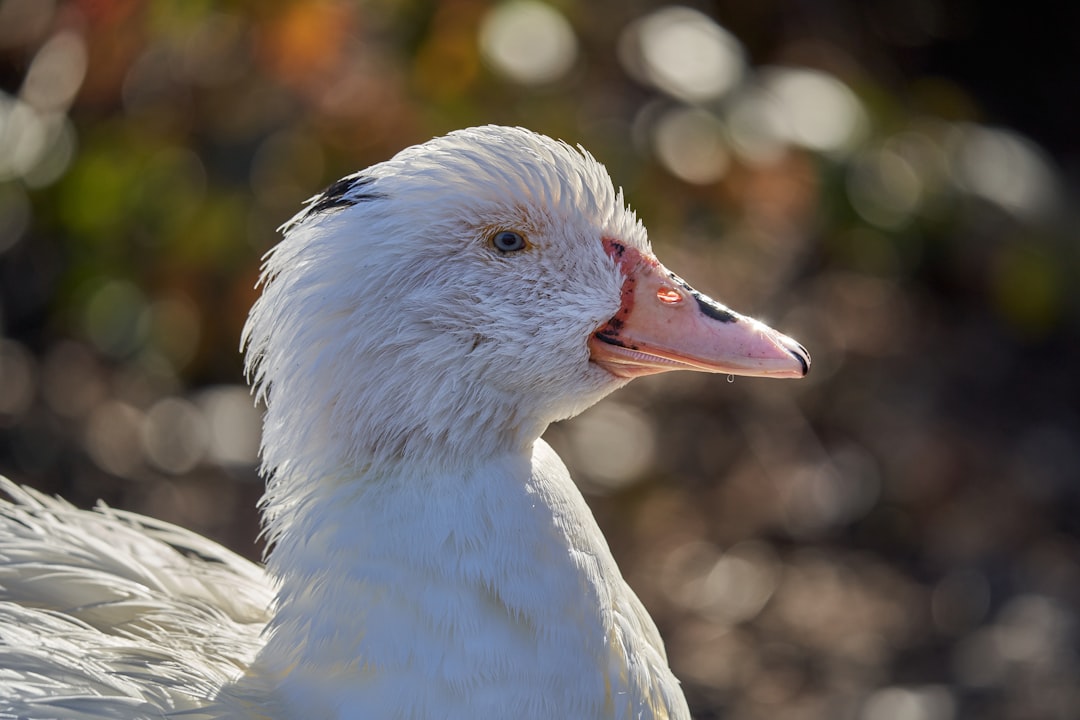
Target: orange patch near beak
(664,324)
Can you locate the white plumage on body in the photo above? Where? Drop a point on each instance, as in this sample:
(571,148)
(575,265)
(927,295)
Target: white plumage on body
(420,325)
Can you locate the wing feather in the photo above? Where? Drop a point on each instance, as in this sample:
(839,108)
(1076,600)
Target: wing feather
(106,613)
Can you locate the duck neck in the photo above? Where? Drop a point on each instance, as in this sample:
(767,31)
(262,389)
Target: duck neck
(493,574)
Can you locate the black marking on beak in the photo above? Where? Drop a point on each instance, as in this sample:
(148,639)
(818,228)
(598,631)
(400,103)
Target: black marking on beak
(707,305)
(714,309)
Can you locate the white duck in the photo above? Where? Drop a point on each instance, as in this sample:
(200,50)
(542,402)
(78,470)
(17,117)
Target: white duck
(420,325)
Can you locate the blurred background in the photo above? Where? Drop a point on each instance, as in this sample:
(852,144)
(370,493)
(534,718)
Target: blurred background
(893,182)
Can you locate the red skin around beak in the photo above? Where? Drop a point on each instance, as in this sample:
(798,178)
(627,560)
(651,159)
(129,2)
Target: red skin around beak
(664,324)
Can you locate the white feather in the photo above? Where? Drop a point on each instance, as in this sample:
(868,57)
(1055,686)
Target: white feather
(109,614)
(431,556)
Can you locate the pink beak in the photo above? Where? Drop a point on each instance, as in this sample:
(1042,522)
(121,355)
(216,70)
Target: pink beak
(664,324)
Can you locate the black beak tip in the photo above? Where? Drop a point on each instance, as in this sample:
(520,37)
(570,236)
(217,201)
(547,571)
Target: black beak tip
(800,353)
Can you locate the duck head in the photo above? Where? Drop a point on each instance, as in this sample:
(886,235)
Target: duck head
(456,299)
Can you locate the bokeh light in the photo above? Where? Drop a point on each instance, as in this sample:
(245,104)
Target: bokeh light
(819,111)
(691,145)
(55,74)
(613,446)
(528,41)
(234,425)
(682,52)
(885,186)
(17,380)
(899,703)
(1004,168)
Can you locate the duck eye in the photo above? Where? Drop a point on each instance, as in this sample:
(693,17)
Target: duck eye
(508,241)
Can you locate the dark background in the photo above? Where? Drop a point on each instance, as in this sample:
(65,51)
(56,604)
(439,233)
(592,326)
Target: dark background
(894,537)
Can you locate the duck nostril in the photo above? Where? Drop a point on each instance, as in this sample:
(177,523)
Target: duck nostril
(669,296)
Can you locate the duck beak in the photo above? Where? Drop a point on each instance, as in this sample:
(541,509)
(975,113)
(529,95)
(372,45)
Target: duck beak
(664,324)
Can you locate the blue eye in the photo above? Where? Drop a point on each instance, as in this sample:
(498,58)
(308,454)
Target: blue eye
(508,241)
